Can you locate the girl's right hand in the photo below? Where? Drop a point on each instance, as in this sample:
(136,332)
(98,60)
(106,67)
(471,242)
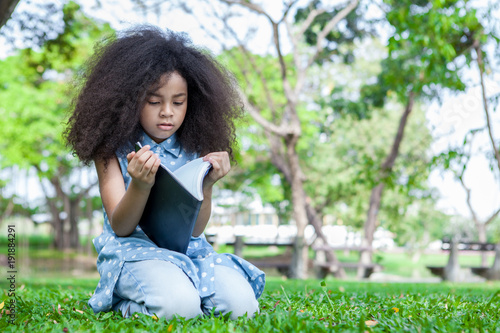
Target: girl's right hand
(142,167)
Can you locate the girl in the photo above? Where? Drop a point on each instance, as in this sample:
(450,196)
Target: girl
(155,87)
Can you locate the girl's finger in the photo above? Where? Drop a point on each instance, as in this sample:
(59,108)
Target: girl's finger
(149,163)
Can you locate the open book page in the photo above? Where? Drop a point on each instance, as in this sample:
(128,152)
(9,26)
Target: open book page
(191,176)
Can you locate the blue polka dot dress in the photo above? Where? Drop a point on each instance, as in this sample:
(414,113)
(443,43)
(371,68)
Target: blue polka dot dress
(199,261)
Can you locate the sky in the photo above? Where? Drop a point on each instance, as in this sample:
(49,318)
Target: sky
(449,120)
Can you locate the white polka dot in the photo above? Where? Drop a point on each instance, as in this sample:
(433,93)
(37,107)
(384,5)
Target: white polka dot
(118,251)
(112,237)
(151,248)
(99,284)
(144,252)
(127,174)
(260,279)
(133,256)
(236,267)
(212,278)
(127,244)
(200,256)
(159,251)
(107,291)
(116,278)
(100,240)
(251,267)
(171,257)
(172,163)
(204,289)
(180,155)
(203,274)
(129,249)
(196,244)
(140,248)
(197,269)
(212,265)
(169,140)
(109,274)
(219,260)
(183,263)
(99,304)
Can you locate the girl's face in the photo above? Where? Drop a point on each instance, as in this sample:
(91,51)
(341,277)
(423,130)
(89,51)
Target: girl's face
(165,108)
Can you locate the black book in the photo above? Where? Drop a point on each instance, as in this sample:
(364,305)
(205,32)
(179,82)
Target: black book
(173,204)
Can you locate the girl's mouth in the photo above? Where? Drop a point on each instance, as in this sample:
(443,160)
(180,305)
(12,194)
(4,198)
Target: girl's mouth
(165,126)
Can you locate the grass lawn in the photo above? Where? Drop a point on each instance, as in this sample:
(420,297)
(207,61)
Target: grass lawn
(60,305)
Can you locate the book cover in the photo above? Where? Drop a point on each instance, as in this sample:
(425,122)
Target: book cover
(173,204)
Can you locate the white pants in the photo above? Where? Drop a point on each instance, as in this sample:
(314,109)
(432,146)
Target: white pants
(160,287)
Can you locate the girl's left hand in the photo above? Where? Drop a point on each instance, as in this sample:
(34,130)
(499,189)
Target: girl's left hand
(220,167)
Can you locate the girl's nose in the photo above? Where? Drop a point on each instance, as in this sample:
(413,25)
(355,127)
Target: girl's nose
(166,111)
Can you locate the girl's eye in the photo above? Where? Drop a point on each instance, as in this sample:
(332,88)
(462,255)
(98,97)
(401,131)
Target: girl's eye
(153,103)
(178,103)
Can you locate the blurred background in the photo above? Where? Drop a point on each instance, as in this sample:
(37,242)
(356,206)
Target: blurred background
(371,136)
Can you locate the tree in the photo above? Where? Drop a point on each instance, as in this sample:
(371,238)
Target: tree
(6,9)
(428,37)
(34,94)
(458,159)
(279,111)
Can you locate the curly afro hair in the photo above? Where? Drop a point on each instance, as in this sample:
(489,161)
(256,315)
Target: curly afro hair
(112,88)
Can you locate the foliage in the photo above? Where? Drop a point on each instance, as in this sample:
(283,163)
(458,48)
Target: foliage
(353,29)
(286,306)
(35,95)
(254,171)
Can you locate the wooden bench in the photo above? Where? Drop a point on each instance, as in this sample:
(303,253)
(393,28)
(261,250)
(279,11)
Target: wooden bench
(281,262)
(324,267)
(329,267)
(453,258)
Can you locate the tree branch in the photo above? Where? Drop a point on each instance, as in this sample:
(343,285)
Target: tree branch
(469,204)
(329,27)
(252,110)
(492,217)
(477,47)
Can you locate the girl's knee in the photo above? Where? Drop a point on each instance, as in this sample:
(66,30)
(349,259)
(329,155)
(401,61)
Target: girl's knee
(180,301)
(233,294)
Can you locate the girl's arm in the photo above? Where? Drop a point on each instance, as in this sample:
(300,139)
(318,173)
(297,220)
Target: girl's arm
(124,207)
(220,167)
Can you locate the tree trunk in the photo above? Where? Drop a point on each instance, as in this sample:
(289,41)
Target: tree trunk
(299,265)
(481,234)
(317,224)
(89,214)
(57,225)
(376,195)
(370,226)
(74,234)
(452,269)
(495,268)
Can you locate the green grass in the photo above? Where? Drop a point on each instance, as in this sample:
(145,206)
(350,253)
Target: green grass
(60,305)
